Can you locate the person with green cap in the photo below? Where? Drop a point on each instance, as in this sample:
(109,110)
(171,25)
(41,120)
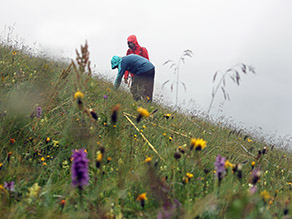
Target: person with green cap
(144,71)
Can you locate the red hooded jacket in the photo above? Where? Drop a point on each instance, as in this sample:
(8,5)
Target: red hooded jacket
(138,50)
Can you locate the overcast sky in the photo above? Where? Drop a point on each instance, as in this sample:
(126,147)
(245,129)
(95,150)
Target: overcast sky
(221,34)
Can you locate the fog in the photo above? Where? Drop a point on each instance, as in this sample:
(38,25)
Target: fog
(221,34)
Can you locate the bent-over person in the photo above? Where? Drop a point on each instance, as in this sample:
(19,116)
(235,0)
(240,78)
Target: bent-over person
(144,73)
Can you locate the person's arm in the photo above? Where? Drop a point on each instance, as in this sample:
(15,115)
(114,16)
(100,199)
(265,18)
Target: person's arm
(144,53)
(121,72)
(126,75)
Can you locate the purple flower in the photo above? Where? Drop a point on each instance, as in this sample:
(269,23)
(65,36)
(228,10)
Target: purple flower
(220,167)
(79,171)
(255,176)
(9,186)
(169,210)
(253,190)
(39,112)
(105,97)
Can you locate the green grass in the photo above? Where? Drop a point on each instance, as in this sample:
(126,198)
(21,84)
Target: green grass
(39,150)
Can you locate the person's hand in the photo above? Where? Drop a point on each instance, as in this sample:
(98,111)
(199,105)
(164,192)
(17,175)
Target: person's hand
(126,80)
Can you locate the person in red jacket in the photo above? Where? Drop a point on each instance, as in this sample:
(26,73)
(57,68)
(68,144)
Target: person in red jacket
(135,48)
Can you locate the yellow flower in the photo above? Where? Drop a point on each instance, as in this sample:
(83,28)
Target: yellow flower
(228,164)
(168,115)
(189,175)
(55,143)
(78,95)
(265,195)
(65,164)
(185,180)
(164,134)
(109,158)
(1,187)
(142,197)
(198,143)
(144,127)
(143,112)
(252,164)
(42,159)
(1,165)
(13,53)
(148,160)
(249,140)
(44,163)
(99,157)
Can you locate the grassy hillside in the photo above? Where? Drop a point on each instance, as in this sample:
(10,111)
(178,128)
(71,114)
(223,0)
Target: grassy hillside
(54,116)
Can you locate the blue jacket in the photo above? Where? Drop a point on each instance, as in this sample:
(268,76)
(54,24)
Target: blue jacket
(133,63)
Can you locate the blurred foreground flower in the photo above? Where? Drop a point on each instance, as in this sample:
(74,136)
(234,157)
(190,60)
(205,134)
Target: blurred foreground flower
(63,202)
(12,140)
(98,159)
(9,156)
(265,195)
(220,167)
(142,113)
(142,198)
(114,116)
(79,171)
(34,190)
(148,160)
(9,186)
(169,210)
(79,96)
(255,176)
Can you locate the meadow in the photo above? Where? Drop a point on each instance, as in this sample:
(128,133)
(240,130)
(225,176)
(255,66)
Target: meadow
(74,147)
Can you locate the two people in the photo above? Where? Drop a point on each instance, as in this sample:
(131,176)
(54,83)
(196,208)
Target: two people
(137,63)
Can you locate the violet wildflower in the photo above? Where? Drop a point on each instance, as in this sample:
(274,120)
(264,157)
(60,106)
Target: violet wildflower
(169,210)
(220,167)
(253,190)
(105,97)
(255,176)
(9,186)
(79,171)
(38,112)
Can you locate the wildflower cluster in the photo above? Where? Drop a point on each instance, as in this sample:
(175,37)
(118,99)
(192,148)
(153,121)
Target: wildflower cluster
(79,171)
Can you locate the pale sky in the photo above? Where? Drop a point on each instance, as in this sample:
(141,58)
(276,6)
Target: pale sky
(220,34)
